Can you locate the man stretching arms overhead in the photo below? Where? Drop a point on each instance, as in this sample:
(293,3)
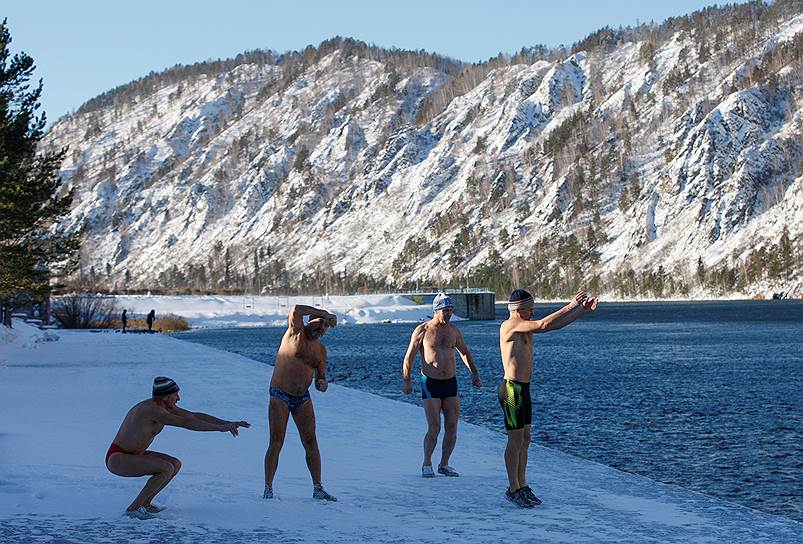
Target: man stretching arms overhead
(516,344)
(301,357)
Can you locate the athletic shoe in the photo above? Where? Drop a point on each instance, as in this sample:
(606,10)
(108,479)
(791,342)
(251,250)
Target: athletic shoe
(446,470)
(530,495)
(427,472)
(322,495)
(268,494)
(518,498)
(153,508)
(139,513)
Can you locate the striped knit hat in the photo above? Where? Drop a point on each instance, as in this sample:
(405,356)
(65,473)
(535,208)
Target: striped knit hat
(520,300)
(163,386)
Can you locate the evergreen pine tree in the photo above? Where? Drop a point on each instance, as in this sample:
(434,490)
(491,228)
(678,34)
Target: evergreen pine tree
(29,185)
(785,254)
(700,271)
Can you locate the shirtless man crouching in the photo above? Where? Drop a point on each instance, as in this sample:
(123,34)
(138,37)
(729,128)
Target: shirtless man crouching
(301,357)
(129,455)
(437,340)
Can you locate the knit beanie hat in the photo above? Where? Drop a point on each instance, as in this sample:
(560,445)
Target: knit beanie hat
(163,386)
(520,300)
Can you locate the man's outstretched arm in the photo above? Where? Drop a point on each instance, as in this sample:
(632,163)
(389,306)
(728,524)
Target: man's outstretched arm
(580,304)
(188,420)
(212,419)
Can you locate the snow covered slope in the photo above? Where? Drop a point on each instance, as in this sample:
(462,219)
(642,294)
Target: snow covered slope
(649,149)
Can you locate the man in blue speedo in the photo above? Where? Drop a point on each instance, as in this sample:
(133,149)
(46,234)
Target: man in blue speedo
(437,341)
(301,357)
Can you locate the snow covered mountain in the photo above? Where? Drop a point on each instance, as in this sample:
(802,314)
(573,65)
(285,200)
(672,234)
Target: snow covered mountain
(659,160)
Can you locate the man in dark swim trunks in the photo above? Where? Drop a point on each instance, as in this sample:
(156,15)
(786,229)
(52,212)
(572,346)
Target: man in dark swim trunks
(437,341)
(129,455)
(516,344)
(301,357)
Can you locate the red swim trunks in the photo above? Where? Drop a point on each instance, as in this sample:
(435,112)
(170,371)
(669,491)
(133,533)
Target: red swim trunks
(114,448)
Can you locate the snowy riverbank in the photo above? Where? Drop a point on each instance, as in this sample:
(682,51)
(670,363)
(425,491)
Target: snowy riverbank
(254,311)
(220,311)
(63,401)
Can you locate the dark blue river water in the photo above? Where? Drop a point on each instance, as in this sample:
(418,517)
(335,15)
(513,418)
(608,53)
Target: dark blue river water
(704,395)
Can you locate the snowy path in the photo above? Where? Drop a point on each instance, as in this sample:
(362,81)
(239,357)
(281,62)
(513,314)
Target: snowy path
(63,401)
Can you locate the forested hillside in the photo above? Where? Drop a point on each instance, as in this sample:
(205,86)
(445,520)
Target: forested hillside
(662,160)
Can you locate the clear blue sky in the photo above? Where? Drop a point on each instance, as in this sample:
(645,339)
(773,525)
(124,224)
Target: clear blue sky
(84,48)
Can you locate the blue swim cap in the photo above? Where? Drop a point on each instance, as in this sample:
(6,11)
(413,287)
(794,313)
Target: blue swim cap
(441,302)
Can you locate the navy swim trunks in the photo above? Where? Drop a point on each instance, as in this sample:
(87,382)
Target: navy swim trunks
(432,388)
(293,402)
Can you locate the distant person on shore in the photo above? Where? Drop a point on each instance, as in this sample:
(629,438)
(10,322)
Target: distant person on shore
(516,344)
(437,341)
(301,357)
(124,319)
(150,319)
(129,455)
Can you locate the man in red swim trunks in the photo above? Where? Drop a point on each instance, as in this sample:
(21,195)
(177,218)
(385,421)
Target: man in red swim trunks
(129,455)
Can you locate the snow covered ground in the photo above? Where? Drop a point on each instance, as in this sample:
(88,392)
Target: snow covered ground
(254,311)
(62,402)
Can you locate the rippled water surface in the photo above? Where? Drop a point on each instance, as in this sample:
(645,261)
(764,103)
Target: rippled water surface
(708,396)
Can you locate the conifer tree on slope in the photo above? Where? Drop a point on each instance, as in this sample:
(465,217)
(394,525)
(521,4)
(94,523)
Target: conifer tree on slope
(29,185)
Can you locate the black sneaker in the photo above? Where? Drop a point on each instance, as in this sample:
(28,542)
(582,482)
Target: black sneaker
(518,498)
(527,492)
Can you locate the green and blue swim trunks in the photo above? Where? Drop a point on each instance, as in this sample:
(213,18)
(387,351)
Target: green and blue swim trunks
(514,398)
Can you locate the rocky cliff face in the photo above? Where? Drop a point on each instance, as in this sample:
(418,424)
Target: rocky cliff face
(664,158)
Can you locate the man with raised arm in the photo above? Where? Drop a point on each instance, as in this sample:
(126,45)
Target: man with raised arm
(516,344)
(301,357)
(437,341)
(129,455)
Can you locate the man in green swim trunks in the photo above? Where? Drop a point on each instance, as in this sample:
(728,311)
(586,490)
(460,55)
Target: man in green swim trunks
(516,344)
